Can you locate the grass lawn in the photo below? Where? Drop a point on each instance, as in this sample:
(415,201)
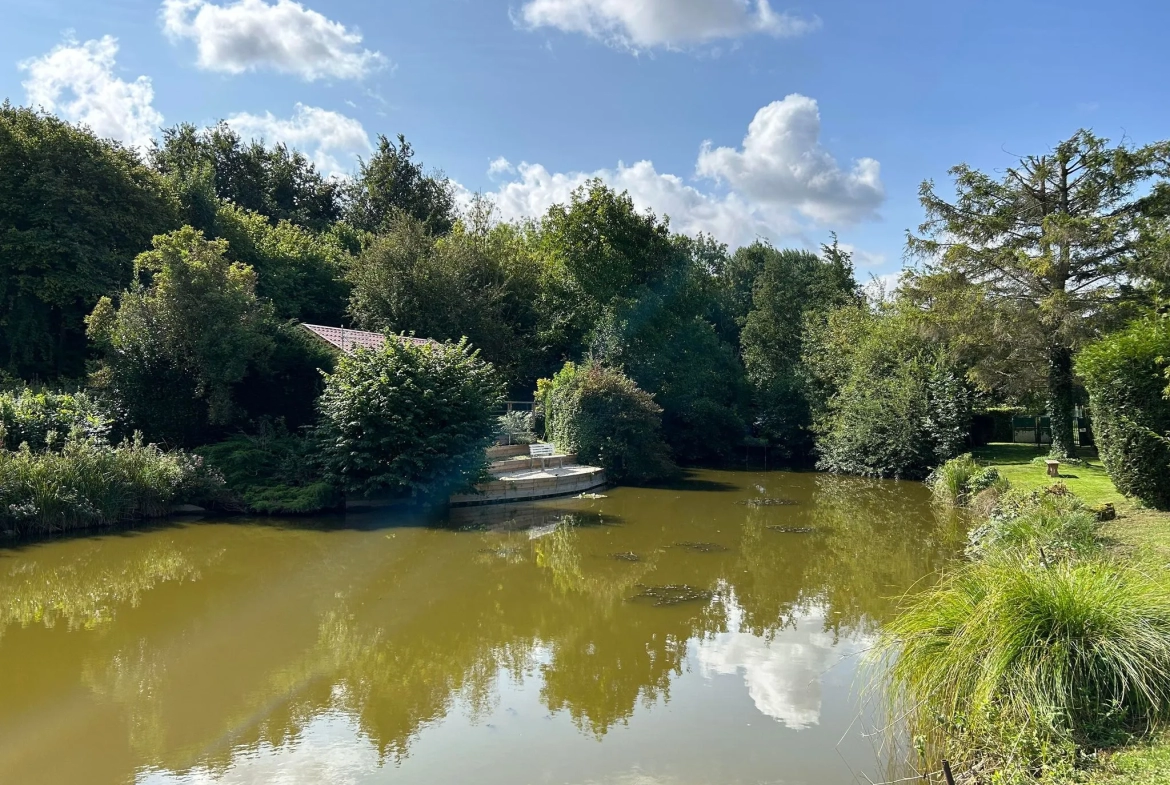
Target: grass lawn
(1138,533)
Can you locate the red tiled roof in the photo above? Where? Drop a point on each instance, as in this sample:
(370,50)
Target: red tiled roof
(348,340)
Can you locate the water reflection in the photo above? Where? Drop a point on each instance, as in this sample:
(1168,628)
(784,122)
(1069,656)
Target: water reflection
(263,653)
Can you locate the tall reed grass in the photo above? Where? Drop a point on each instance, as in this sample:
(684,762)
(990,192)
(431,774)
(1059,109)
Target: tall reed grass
(90,483)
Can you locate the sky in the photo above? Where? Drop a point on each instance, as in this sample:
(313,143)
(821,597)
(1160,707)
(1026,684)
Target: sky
(744,119)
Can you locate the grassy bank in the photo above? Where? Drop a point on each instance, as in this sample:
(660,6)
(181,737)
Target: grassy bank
(1142,535)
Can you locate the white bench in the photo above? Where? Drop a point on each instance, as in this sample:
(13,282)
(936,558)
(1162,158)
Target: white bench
(543,451)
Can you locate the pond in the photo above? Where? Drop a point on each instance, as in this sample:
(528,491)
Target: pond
(711,632)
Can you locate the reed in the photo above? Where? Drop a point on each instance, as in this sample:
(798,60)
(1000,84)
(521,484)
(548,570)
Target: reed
(90,483)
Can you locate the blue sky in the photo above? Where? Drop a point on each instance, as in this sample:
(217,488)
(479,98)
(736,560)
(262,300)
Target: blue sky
(736,117)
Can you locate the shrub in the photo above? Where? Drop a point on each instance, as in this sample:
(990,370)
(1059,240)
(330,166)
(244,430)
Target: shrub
(607,420)
(518,427)
(179,340)
(1053,521)
(91,483)
(895,407)
(1019,664)
(408,419)
(273,473)
(1125,377)
(951,482)
(33,416)
(960,480)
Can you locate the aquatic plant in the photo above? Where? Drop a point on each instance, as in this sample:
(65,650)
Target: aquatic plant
(949,482)
(1018,665)
(91,483)
(674,594)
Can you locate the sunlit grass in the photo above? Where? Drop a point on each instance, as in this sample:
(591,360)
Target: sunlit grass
(1089,480)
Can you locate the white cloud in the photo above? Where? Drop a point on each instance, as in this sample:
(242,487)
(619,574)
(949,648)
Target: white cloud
(779,188)
(783,163)
(322,135)
(501,166)
(285,36)
(728,218)
(77,82)
(783,676)
(666,23)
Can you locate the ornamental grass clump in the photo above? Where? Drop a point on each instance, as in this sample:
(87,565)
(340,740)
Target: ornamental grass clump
(960,480)
(1013,666)
(949,482)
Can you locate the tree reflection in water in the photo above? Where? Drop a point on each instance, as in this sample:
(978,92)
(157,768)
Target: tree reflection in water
(202,644)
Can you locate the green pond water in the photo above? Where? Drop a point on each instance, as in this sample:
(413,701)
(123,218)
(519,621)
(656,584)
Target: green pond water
(685,635)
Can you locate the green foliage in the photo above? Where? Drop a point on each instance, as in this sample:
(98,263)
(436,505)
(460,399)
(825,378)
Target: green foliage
(90,483)
(391,185)
(273,473)
(284,384)
(1052,521)
(188,330)
(625,291)
(607,420)
(205,167)
(951,482)
(1125,376)
(894,407)
(74,211)
(1024,269)
(43,418)
(518,427)
(478,282)
(1015,665)
(789,288)
(407,419)
(302,273)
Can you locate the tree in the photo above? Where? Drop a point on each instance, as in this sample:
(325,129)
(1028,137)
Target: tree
(789,287)
(74,211)
(477,282)
(1126,376)
(896,405)
(182,336)
(215,164)
(607,420)
(301,272)
(622,289)
(391,183)
(1033,264)
(407,419)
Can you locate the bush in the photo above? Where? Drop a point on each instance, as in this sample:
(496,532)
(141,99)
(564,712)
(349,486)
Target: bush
(1053,521)
(607,420)
(960,480)
(273,473)
(951,482)
(1017,665)
(518,427)
(180,339)
(896,407)
(1125,377)
(36,417)
(408,419)
(91,483)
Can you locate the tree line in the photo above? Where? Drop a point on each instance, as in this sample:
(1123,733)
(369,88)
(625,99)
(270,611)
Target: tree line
(170,284)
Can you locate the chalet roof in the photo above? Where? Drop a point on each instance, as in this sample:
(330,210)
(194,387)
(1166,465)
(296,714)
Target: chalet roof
(347,340)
